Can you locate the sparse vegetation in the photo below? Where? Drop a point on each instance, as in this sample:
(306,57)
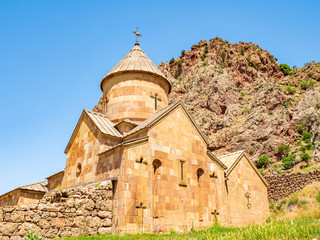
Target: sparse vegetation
(288,161)
(305,157)
(255,66)
(263,161)
(183,52)
(283,150)
(179,62)
(285,69)
(242,52)
(176,74)
(290,89)
(172,60)
(306,137)
(304,85)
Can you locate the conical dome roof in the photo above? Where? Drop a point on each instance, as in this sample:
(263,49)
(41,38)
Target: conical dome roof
(135,60)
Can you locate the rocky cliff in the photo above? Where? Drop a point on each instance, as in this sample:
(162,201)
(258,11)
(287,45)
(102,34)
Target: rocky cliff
(241,99)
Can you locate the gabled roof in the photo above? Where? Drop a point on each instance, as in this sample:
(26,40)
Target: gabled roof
(37,187)
(136,60)
(214,158)
(163,112)
(104,125)
(232,159)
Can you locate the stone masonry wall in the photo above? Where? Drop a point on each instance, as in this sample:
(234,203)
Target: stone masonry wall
(68,212)
(281,186)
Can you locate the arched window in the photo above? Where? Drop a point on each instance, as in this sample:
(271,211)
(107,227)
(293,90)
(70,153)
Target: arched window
(156,164)
(200,172)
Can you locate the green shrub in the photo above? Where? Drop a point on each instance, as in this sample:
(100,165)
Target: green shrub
(318,197)
(305,157)
(318,105)
(284,150)
(261,171)
(203,57)
(172,60)
(32,236)
(263,161)
(255,66)
(301,128)
(285,69)
(179,62)
(223,56)
(183,52)
(298,143)
(303,149)
(175,74)
(286,105)
(287,161)
(309,146)
(306,137)
(206,50)
(242,52)
(302,203)
(304,85)
(290,89)
(242,94)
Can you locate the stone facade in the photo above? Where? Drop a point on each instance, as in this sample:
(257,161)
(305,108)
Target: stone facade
(281,186)
(21,197)
(70,212)
(247,195)
(157,161)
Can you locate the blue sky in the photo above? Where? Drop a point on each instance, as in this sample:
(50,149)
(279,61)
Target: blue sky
(53,55)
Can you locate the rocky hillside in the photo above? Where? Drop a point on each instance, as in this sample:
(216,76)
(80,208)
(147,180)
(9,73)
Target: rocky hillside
(241,99)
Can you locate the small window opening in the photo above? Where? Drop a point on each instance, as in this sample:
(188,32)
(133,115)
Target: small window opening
(79,169)
(181,171)
(200,172)
(156,102)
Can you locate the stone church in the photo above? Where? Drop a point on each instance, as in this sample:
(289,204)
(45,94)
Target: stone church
(163,175)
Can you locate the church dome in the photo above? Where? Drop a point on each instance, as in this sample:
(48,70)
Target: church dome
(135,61)
(134,89)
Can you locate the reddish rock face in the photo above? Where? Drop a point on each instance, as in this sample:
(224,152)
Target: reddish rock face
(237,94)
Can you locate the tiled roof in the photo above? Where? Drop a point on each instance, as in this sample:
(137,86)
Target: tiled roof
(103,123)
(136,60)
(39,187)
(230,159)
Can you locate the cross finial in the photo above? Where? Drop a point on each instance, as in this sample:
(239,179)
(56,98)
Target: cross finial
(137,35)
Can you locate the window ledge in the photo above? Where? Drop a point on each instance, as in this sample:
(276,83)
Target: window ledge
(182,184)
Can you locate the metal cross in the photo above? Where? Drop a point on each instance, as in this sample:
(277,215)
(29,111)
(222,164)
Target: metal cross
(137,34)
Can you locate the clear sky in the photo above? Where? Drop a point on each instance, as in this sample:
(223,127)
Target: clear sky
(54,53)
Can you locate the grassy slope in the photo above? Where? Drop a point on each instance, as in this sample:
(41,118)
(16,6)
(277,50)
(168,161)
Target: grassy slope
(296,217)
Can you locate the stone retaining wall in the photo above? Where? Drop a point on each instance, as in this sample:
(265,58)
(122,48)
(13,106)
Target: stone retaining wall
(70,212)
(281,186)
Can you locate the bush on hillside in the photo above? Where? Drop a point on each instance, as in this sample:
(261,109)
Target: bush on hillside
(263,161)
(285,69)
(172,60)
(305,157)
(283,150)
(288,161)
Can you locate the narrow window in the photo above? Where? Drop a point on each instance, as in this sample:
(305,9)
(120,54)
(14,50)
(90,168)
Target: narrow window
(156,103)
(181,171)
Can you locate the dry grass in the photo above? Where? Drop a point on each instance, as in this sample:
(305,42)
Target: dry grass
(299,204)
